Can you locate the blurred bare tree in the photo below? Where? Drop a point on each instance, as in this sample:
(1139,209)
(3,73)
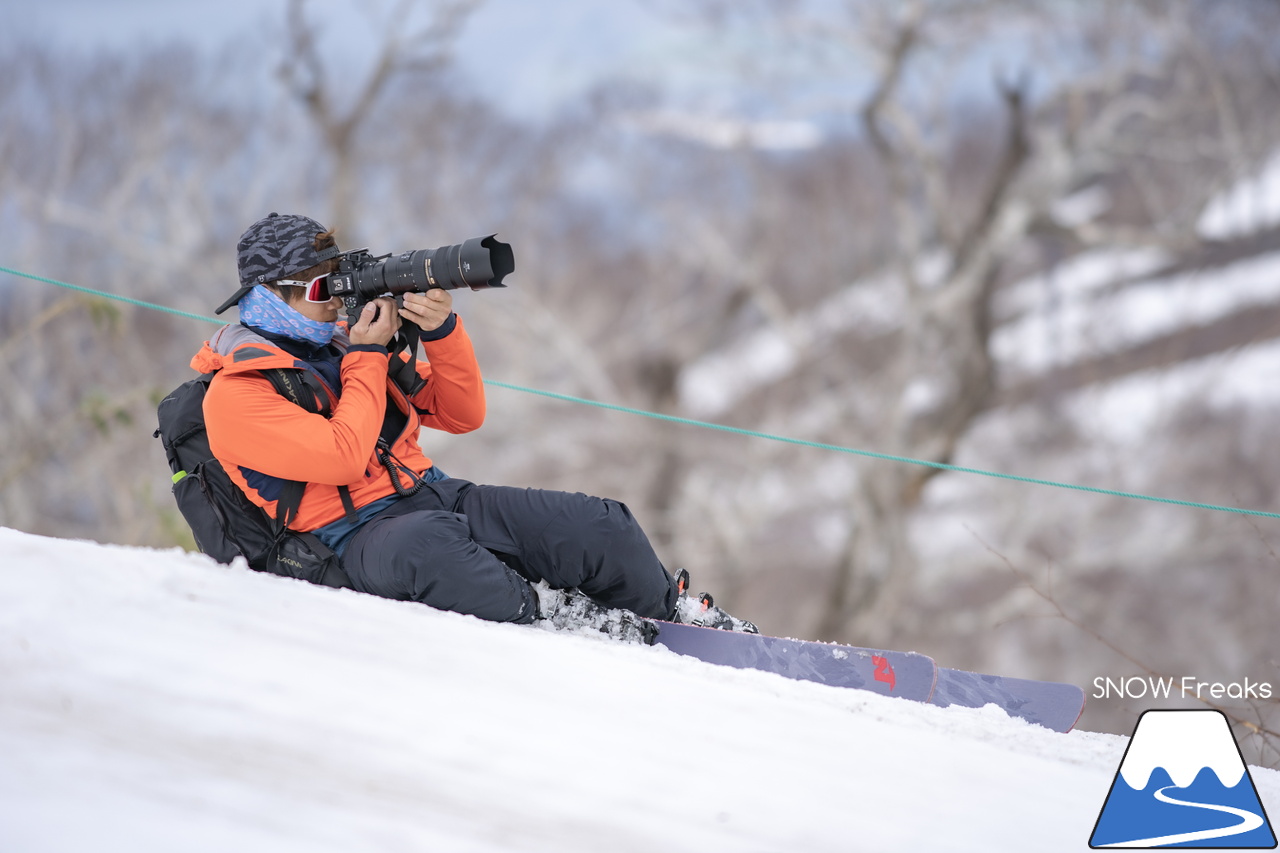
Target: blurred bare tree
(971,192)
(878,243)
(340,87)
(1092,155)
(111,173)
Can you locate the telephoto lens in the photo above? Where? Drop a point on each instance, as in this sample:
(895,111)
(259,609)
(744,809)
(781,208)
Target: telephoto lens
(478,263)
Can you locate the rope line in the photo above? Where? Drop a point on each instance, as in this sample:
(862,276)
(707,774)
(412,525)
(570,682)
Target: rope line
(91,292)
(835,448)
(816,445)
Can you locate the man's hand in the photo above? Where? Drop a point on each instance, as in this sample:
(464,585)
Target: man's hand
(429,309)
(381,330)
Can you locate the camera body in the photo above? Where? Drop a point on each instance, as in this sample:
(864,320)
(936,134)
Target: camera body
(478,263)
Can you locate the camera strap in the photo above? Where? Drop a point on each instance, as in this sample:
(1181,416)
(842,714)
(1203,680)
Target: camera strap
(404,371)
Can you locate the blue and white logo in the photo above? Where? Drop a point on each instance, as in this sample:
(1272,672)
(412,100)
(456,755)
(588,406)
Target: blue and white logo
(1183,783)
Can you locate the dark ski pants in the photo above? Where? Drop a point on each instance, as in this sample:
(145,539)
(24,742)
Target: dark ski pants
(474,549)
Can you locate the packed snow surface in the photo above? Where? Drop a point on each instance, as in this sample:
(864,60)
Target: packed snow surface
(157,701)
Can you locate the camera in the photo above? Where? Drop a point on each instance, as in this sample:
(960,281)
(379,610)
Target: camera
(478,263)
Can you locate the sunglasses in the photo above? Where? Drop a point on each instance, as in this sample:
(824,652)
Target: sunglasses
(317,289)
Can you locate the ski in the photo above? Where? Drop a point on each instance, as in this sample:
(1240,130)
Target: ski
(908,675)
(905,674)
(1046,703)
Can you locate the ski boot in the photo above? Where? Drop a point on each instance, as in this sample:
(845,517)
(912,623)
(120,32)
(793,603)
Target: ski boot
(569,609)
(701,610)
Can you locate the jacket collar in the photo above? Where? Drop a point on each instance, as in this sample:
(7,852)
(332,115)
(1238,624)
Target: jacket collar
(237,348)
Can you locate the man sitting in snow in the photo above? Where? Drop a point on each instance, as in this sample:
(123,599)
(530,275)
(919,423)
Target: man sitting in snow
(402,527)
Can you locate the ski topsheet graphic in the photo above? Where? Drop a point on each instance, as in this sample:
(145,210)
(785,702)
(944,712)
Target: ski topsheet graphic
(1183,782)
(907,675)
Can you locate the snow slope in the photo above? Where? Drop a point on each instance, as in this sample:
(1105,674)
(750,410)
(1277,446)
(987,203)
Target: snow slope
(157,701)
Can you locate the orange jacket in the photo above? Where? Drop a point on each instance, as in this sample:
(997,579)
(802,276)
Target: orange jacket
(262,439)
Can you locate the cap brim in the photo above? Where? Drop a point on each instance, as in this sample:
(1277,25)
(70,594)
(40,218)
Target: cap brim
(236,297)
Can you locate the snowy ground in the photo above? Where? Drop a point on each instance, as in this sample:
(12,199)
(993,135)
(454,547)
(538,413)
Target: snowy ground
(156,701)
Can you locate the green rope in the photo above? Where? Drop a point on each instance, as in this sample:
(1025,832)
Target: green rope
(728,429)
(138,302)
(873,455)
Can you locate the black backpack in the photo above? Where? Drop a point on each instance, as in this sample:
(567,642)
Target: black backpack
(225,523)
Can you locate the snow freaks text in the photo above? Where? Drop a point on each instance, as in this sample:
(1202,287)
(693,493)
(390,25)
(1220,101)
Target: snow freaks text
(1186,687)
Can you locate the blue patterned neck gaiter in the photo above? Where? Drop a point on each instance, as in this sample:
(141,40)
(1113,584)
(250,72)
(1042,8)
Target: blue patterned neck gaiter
(264,309)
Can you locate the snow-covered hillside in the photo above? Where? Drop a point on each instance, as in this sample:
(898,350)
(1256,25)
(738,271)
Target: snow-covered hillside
(157,701)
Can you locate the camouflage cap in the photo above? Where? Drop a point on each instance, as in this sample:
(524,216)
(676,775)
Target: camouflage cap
(274,248)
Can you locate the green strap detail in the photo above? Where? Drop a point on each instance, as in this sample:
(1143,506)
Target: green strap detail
(834,448)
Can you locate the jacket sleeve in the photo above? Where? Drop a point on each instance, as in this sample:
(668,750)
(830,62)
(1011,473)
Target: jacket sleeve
(453,398)
(250,424)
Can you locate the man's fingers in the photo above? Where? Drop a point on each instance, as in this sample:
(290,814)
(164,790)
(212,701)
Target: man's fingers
(366,316)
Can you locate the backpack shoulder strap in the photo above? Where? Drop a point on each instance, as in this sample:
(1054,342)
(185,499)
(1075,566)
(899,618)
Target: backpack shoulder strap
(300,387)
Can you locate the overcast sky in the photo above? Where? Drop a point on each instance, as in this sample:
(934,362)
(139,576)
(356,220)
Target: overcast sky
(527,54)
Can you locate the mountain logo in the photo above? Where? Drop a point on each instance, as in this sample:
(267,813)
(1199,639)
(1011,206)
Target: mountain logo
(1183,783)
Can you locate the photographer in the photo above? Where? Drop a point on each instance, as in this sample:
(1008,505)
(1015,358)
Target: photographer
(403,528)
